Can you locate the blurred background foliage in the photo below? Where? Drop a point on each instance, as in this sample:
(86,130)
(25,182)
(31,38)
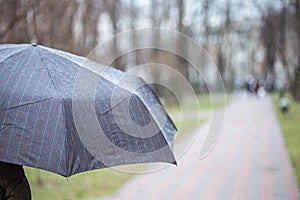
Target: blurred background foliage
(260,38)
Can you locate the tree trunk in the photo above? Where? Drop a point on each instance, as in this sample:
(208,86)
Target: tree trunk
(296,82)
(183,65)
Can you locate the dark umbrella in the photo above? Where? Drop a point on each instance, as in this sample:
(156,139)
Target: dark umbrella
(66,114)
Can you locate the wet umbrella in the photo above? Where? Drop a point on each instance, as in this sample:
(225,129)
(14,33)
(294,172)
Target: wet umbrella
(66,114)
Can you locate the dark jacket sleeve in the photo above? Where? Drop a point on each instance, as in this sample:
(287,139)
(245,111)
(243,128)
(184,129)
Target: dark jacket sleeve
(10,171)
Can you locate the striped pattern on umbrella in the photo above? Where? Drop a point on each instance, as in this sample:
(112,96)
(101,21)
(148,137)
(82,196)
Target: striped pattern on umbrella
(37,126)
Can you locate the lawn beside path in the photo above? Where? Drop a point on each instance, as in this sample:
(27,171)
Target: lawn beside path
(290,126)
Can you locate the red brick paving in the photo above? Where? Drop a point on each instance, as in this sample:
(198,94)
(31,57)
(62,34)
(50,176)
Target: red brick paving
(250,161)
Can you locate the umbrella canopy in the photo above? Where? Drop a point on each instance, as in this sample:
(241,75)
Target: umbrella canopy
(66,114)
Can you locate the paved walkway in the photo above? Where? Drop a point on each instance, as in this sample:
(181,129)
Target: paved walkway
(249,162)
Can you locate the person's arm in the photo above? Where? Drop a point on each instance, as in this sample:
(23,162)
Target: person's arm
(9,171)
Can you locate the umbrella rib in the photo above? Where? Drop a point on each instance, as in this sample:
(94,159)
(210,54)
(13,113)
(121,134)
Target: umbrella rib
(87,68)
(66,149)
(19,51)
(14,125)
(67,159)
(112,106)
(80,64)
(71,60)
(25,104)
(44,64)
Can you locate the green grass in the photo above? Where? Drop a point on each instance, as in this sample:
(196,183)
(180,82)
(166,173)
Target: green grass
(186,127)
(204,102)
(81,186)
(290,125)
(47,186)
